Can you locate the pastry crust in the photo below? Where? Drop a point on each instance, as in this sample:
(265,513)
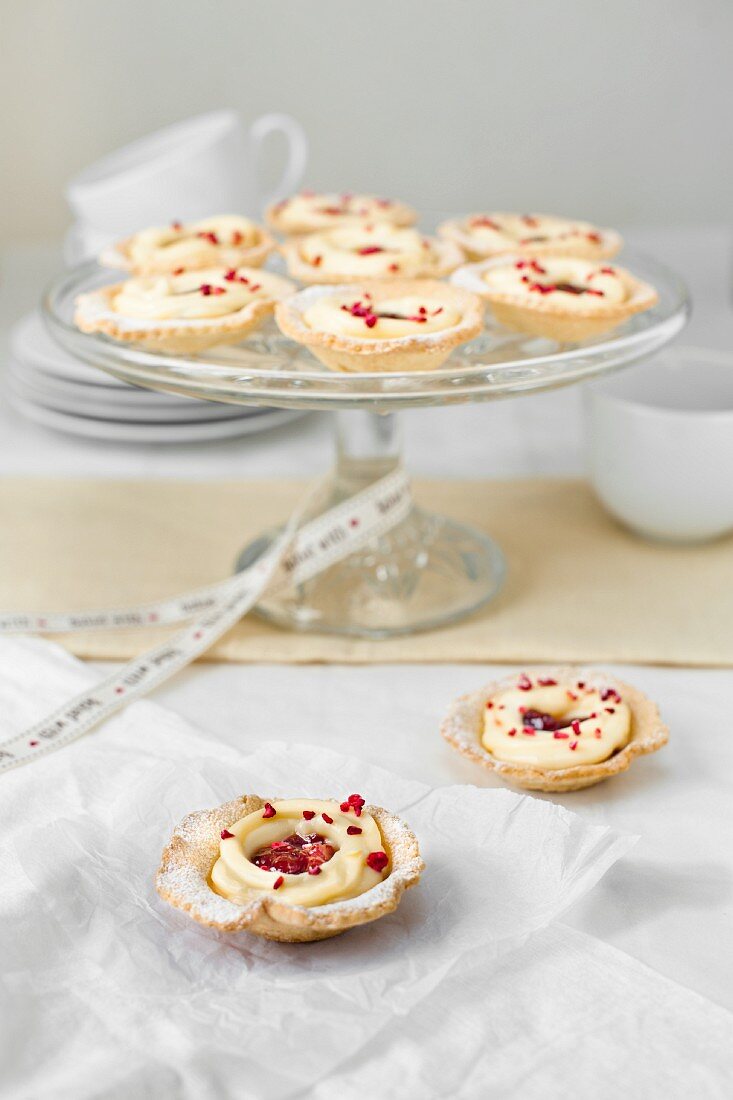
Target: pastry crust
(183,880)
(253,254)
(547,315)
(458,230)
(444,257)
(405,353)
(94,312)
(279,216)
(462,728)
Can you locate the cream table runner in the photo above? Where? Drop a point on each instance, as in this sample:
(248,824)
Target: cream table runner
(579,588)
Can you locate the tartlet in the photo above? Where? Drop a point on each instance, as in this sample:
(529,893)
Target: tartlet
(381,326)
(184,312)
(558,297)
(292,870)
(226,240)
(311,211)
(484,235)
(369,251)
(558,729)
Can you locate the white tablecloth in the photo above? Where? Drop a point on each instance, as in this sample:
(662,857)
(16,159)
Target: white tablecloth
(669,903)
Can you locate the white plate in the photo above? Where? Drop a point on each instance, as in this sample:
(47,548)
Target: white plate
(126,432)
(109,408)
(31,343)
(124,396)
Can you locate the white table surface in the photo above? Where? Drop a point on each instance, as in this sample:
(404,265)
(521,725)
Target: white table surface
(670,902)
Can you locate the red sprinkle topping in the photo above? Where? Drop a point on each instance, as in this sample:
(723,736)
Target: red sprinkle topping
(226,835)
(610,710)
(327,819)
(529,220)
(278,882)
(316,261)
(524,683)
(269,810)
(576,727)
(231,276)
(598,733)
(581,684)
(490,705)
(207,289)
(595,237)
(354,802)
(560,736)
(532,265)
(237,237)
(511,733)
(489,223)
(179,271)
(208,236)
(370,250)
(177,226)
(573,745)
(610,693)
(309,814)
(571,695)
(316,870)
(547,683)
(353,830)
(529,731)
(607,271)
(394,267)
(377,860)
(294,855)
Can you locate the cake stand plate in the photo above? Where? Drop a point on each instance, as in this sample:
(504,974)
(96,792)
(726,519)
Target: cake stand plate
(428,570)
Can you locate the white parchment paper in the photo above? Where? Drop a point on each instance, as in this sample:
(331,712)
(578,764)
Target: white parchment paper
(110,992)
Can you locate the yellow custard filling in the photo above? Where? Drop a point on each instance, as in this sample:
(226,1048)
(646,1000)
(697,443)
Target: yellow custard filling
(528,229)
(316,211)
(577,284)
(192,295)
(371,251)
(192,244)
(555,725)
(310,852)
(359,316)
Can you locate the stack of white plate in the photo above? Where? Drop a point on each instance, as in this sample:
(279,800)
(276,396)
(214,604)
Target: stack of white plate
(52,388)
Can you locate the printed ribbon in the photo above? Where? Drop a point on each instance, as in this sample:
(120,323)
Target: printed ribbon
(295,556)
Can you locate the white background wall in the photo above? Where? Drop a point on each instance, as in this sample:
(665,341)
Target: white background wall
(619,111)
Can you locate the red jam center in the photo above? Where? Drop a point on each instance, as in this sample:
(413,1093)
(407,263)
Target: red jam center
(539,720)
(295,855)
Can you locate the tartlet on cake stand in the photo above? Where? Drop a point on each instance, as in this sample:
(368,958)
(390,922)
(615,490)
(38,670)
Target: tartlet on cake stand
(429,570)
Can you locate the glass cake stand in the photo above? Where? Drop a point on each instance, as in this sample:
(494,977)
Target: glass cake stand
(428,570)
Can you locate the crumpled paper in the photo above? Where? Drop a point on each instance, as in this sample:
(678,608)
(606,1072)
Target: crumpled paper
(113,993)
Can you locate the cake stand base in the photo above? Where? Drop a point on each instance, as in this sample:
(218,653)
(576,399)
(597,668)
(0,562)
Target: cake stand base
(426,572)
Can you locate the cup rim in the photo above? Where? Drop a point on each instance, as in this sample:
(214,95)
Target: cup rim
(110,170)
(714,356)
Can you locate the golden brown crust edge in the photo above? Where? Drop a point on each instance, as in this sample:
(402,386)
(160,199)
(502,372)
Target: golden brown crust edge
(548,317)
(463,725)
(118,256)
(406,353)
(609,246)
(402,216)
(174,338)
(182,880)
(449,258)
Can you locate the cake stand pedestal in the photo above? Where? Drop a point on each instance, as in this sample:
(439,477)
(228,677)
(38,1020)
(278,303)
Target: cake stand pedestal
(427,571)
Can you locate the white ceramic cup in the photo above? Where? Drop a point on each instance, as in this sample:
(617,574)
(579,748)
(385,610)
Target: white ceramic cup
(660,444)
(201,166)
